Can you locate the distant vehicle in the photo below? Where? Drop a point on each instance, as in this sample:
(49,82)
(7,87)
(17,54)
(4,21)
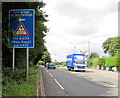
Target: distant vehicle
(51,66)
(76,62)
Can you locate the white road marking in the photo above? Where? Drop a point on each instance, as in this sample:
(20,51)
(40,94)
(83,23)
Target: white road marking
(50,74)
(46,70)
(58,84)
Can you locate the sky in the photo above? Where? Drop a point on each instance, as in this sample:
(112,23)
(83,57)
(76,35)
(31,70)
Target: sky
(74,23)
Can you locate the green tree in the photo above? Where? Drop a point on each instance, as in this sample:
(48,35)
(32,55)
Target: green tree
(40,33)
(46,57)
(91,57)
(112,46)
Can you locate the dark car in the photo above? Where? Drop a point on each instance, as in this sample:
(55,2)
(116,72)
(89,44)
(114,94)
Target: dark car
(51,66)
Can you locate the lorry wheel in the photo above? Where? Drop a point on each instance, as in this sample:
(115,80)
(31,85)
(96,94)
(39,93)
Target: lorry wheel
(69,69)
(83,70)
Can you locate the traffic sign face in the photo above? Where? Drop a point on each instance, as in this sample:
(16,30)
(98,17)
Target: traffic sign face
(22,28)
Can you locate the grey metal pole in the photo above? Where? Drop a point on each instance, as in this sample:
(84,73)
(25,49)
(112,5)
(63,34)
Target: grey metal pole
(74,49)
(13,65)
(27,67)
(88,47)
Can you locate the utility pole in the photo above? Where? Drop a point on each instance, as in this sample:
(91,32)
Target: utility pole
(74,49)
(89,48)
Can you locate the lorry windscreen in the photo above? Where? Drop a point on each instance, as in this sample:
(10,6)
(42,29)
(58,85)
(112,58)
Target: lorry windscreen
(79,62)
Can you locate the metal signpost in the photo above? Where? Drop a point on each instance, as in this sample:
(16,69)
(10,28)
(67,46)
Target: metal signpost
(22,31)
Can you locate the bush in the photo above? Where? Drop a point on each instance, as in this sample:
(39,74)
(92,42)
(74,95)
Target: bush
(101,61)
(14,83)
(41,63)
(89,62)
(111,61)
(95,61)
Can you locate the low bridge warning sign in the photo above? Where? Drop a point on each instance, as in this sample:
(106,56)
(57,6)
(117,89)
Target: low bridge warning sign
(21,30)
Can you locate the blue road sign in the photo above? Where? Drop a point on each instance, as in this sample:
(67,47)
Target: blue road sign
(22,28)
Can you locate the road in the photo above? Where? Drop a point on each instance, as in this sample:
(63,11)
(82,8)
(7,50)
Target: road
(61,82)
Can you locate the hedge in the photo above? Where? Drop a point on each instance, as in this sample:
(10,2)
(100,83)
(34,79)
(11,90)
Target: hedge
(95,61)
(111,61)
(101,61)
(98,61)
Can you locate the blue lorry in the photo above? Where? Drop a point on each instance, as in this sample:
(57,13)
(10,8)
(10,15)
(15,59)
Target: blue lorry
(76,62)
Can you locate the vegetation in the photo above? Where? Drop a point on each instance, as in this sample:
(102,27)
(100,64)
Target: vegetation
(41,63)
(112,46)
(111,61)
(14,83)
(40,32)
(90,59)
(63,64)
(46,57)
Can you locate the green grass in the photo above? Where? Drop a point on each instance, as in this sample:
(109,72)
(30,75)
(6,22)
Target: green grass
(23,88)
(61,66)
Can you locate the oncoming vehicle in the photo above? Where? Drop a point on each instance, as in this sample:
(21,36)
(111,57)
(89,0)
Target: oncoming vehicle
(76,62)
(51,66)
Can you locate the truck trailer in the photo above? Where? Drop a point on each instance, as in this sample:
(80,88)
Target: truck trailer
(76,62)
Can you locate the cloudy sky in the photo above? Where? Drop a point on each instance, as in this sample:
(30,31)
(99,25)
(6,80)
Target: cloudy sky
(72,23)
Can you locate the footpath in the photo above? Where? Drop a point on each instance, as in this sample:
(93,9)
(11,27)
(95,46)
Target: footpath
(105,72)
(104,76)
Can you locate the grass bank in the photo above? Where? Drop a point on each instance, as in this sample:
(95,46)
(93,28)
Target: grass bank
(14,83)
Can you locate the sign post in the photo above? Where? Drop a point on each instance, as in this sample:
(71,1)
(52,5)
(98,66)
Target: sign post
(27,67)
(22,31)
(13,65)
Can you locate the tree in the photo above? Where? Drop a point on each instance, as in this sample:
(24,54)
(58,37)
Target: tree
(46,57)
(112,46)
(40,33)
(91,57)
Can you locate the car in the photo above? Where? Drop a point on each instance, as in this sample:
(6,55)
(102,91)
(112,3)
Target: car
(51,66)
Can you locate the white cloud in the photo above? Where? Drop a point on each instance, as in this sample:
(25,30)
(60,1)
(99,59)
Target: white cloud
(75,22)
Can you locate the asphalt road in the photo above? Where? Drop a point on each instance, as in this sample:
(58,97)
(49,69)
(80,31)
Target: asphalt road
(61,82)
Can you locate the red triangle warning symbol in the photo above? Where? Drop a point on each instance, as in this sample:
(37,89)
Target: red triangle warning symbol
(21,30)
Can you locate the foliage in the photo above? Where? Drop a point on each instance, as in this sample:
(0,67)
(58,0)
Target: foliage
(98,62)
(46,57)
(111,61)
(95,61)
(112,46)
(91,57)
(101,61)
(62,66)
(63,63)
(41,63)
(14,83)
(40,32)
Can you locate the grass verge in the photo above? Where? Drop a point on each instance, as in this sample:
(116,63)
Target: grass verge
(14,84)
